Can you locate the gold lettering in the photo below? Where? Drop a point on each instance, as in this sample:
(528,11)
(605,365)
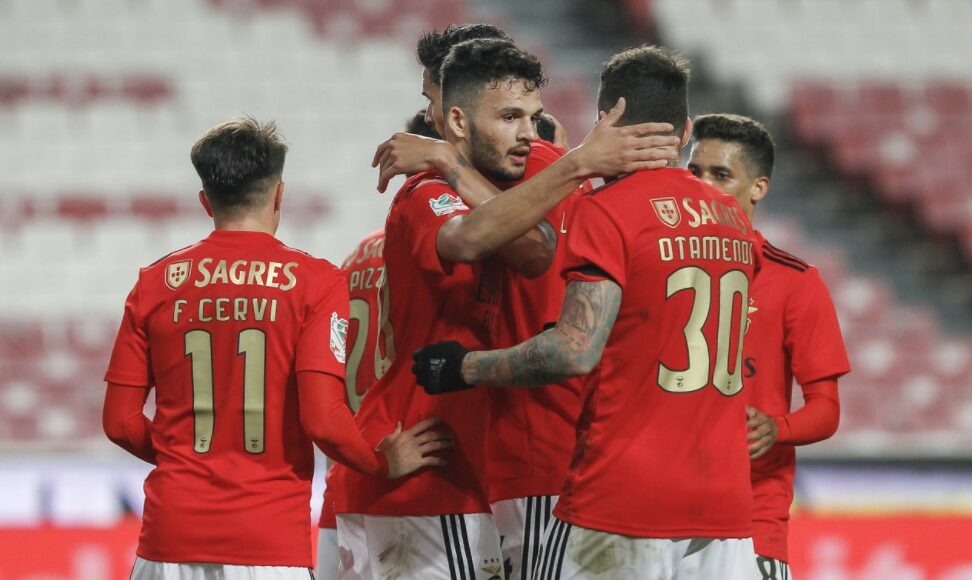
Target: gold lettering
(273,310)
(237,275)
(205,273)
(694,222)
(177,309)
(259,308)
(355,279)
(695,248)
(239,309)
(725,250)
(221,305)
(707,217)
(203,317)
(288,271)
(219,273)
(665,249)
(257,270)
(272,274)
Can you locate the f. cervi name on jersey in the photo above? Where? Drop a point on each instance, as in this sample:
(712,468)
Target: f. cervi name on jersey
(218,273)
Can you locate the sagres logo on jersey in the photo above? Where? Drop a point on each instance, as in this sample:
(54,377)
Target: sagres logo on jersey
(446,204)
(667,211)
(339,336)
(177,273)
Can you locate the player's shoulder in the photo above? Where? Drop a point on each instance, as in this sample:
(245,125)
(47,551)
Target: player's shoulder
(783,261)
(429,192)
(371,246)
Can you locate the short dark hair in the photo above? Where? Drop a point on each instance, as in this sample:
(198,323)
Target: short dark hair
(474,64)
(417,126)
(237,160)
(757,144)
(434,45)
(654,83)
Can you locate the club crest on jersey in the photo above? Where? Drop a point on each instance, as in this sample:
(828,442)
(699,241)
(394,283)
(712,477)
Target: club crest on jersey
(339,336)
(667,211)
(177,273)
(446,204)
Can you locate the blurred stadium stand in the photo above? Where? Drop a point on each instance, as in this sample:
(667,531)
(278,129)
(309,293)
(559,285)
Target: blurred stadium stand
(100,101)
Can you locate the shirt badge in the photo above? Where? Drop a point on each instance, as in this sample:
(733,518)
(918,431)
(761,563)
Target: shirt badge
(339,336)
(667,211)
(177,273)
(446,204)
(752,309)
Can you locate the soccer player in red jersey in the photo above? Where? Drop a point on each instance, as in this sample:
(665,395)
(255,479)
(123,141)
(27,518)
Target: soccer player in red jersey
(365,268)
(437,523)
(531,433)
(243,340)
(793,333)
(658,270)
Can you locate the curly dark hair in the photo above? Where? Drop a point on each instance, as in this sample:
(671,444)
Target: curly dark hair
(474,64)
(654,83)
(434,45)
(237,162)
(757,144)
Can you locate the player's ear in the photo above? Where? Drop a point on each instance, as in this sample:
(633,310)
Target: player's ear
(760,189)
(687,132)
(457,122)
(278,196)
(205,203)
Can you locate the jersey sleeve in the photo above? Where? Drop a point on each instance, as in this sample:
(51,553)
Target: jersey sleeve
(323,338)
(430,206)
(812,332)
(130,363)
(595,239)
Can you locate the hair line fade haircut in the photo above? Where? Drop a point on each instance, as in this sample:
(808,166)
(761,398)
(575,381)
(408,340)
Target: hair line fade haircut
(654,83)
(758,149)
(238,161)
(434,45)
(474,65)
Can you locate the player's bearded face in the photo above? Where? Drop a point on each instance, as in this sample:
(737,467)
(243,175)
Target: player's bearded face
(502,128)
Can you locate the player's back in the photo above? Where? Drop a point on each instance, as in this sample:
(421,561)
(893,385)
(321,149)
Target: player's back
(228,323)
(423,300)
(365,270)
(662,439)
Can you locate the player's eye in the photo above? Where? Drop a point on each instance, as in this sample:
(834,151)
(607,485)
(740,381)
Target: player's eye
(509,117)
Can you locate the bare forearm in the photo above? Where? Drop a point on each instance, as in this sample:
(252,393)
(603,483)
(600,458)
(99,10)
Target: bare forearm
(501,219)
(542,360)
(572,348)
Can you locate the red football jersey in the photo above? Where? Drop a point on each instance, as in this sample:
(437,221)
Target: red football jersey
(661,450)
(424,300)
(221,329)
(793,332)
(532,431)
(365,269)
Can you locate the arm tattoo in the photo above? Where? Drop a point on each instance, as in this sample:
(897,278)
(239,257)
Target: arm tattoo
(452,176)
(571,348)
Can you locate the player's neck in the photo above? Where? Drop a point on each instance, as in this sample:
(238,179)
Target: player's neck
(244,223)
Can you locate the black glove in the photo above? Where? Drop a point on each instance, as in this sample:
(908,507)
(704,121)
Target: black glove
(438,367)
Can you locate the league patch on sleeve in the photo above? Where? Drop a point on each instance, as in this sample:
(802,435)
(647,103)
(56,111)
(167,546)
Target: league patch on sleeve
(446,204)
(339,336)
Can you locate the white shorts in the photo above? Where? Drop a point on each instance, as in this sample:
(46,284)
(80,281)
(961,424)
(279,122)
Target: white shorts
(766,569)
(151,570)
(576,553)
(328,560)
(522,523)
(464,547)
